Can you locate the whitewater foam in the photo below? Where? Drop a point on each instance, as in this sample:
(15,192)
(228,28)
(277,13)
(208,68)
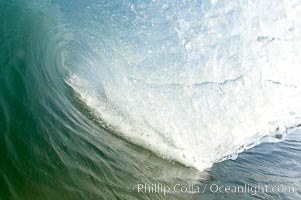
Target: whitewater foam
(195,82)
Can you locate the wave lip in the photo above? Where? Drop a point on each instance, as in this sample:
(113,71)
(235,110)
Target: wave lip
(195,83)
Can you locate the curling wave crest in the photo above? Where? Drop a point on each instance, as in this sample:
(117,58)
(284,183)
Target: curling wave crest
(194,81)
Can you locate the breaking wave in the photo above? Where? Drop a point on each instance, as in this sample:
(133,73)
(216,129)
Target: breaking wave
(193,81)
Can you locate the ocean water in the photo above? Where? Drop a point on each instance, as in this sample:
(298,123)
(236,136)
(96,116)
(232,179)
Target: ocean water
(150,99)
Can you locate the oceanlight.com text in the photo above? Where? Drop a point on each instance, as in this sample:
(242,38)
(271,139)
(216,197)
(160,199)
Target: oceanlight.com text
(210,188)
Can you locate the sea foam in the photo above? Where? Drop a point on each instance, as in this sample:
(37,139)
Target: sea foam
(194,81)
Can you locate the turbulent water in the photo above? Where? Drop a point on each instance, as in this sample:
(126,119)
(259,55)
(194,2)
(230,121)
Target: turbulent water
(194,82)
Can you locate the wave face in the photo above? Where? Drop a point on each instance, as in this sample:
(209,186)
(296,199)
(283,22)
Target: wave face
(193,81)
(196,82)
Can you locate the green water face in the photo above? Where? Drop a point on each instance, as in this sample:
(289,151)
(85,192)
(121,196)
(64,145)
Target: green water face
(51,145)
